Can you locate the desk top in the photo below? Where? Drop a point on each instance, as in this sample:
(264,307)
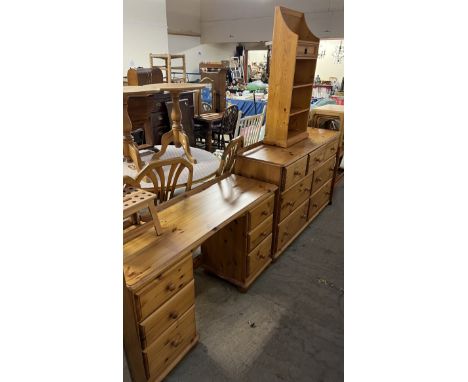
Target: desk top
(154,88)
(335,109)
(189,222)
(284,156)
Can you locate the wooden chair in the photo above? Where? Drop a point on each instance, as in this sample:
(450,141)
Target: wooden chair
(228,158)
(250,127)
(163,175)
(227,126)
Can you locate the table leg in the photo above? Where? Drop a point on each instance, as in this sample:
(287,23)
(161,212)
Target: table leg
(130,150)
(209,133)
(176,135)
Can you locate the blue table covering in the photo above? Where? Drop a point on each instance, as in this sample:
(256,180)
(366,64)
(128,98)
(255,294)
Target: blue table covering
(247,106)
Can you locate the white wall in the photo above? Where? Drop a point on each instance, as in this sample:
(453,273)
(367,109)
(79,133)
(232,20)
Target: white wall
(183,16)
(144,31)
(325,66)
(195,52)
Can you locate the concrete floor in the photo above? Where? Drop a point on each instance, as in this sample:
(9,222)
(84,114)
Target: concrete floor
(296,307)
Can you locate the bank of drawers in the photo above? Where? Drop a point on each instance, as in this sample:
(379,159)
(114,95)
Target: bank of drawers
(166,319)
(306,182)
(245,244)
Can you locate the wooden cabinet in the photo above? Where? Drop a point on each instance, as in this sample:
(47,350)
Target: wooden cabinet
(293,61)
(303,173)
(163,311)
(245,245)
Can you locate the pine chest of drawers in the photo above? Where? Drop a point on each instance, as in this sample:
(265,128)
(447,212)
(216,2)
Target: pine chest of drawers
(304,175)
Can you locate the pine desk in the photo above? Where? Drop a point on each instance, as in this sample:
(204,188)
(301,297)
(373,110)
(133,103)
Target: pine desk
(159,294)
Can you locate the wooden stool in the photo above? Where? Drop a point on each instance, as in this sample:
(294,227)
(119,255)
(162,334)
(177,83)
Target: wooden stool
(134,200)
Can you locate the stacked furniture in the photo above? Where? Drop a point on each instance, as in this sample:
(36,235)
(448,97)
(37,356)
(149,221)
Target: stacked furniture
(172,72)
(303,174)
(293,61)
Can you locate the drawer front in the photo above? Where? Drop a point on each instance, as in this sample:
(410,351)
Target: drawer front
(259,234)
(321,197)
(259,256)
(295,196)
(307,51)
(295,172)
(161,353)
(331,149)
(152,327)
(316,158)
(323,174)
(293,223)
(261,212)
(163,287)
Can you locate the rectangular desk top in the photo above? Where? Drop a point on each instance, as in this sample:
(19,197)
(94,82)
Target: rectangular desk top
(284,156)
(187,223)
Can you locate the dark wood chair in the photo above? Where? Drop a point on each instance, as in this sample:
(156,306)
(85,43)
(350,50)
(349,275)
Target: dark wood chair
(226,127)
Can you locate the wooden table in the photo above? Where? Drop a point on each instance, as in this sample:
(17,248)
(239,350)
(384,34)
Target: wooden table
(176,135)
(204,168)
(209,119)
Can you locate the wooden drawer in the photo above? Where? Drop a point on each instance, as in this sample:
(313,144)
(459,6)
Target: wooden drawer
(294,172)
(256,236)
(161,353)
(323,174)
(163,287)
(293,223)
(295,196)
(152,327)
(321,197)
(330,149)
(316,158)
(261,212)
(307,51)
(258,257)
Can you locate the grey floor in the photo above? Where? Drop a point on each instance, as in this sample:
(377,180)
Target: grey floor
(287,327)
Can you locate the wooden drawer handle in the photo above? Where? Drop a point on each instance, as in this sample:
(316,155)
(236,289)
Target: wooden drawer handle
(331,169)
(297,172)
(332,149)
(264,213)
(290,204)
(173,315)
(307,189)
(328,193)
(304,216)
(260,256)
(263,234)
(176,342)
(315,205)
(318,160)
(171,287)
(318,180)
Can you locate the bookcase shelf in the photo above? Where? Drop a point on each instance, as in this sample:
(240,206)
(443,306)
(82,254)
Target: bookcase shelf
(293,61)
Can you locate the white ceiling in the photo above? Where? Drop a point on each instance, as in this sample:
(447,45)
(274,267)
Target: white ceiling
(250,20)
(216,10)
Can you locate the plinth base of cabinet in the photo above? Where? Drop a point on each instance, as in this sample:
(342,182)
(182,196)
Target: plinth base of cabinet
(174,363)
(241,286)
